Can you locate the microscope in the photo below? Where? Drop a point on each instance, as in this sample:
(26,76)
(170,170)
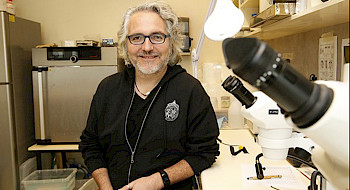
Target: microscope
(275,135)
(318,109)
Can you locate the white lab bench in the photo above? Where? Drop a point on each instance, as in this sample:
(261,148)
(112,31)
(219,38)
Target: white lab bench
(226,172)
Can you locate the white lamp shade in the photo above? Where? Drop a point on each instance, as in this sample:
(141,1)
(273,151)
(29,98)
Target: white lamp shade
(225,21)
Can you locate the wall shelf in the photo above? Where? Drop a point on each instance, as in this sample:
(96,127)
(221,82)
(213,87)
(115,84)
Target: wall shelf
(249,4)
(326,14)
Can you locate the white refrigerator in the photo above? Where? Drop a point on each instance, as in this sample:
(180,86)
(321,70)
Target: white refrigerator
(17,37)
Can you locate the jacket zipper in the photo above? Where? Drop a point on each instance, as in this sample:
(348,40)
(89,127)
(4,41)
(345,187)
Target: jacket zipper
(133,150)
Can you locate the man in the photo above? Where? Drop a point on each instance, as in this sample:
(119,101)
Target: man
(152,125)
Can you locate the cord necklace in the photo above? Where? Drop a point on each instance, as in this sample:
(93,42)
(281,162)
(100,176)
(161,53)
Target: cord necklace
(140,91)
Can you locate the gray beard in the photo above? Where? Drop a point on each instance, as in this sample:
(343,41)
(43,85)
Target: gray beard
(153,70)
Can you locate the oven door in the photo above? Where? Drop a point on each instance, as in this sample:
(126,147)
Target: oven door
(62,98)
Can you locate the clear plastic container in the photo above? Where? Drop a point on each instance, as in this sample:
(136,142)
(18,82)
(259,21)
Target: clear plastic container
(63,179)
(235,118)
(89,185)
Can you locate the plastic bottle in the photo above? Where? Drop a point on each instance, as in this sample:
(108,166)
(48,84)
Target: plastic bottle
(235,118)
(300,6)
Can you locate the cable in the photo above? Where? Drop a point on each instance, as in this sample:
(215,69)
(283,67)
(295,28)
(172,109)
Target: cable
(313,185)
(232,149)
(258,167)
(226,143)
(301,161)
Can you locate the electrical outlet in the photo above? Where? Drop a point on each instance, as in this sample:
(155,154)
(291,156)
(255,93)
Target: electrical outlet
(287,56)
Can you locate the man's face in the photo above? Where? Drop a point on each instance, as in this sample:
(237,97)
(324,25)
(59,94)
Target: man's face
(148,58)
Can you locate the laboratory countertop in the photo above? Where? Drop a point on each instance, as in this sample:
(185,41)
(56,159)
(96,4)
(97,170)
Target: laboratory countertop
(227,173)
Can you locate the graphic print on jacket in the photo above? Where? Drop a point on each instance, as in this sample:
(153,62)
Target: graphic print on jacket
(172,111)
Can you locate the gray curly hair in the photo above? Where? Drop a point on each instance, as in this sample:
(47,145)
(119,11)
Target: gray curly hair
(173,28)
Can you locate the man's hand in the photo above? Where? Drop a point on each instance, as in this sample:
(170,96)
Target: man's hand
(153,181)
(177,172)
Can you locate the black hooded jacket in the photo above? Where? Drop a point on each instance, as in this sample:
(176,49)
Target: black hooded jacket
(180,124)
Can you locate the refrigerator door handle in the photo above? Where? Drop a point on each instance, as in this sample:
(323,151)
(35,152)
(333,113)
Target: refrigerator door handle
(41,100)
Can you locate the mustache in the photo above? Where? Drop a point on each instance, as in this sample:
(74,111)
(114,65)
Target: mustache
(148,54)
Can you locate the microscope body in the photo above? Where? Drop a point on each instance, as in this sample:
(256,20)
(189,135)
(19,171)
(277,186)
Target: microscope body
(331,135)
(275,135)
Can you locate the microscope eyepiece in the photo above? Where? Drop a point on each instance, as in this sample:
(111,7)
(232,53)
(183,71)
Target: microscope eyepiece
(234,86)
